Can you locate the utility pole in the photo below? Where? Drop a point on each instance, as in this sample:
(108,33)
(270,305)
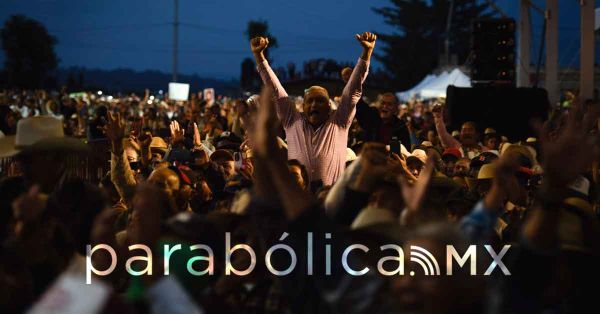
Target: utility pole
(523,66)
(586,68)
(175,40)
(551,82)
(448,28)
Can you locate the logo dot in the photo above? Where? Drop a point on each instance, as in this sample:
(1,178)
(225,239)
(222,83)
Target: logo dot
(412,273)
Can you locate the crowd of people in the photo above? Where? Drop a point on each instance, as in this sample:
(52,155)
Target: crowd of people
(273,168)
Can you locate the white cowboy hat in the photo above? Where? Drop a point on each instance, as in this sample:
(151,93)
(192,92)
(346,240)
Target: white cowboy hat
(38,134)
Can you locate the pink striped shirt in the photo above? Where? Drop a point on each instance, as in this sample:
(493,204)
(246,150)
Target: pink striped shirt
(322,150)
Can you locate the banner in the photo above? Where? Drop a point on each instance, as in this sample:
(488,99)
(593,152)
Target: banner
(179,91)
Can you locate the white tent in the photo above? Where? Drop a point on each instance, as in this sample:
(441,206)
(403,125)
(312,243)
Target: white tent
(407,95)
(435,86)
(438,87)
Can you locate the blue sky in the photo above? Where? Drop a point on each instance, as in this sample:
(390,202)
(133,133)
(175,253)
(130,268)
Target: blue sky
(137,34)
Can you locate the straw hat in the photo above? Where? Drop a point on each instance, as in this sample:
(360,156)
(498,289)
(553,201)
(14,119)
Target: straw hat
(489,131)
(158,145)
(487,171)
(350,155)
(418,154)
(39,134)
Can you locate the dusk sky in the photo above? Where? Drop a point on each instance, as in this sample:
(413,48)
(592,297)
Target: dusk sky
(137,34)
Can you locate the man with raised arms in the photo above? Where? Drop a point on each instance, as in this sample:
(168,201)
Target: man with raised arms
(318,136)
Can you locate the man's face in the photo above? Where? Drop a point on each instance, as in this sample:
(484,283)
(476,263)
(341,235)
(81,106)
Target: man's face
(297,173)
(418,108)
(132,155)
(165,179)
(461,167)
(414,166)
(316,107)
(228,167)
(492,143)
(432,136)
(403,111)
(449,163)
(468,134)
(388,107)
(346,73)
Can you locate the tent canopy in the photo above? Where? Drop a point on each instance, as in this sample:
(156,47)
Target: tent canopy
(406,95)
(433,86)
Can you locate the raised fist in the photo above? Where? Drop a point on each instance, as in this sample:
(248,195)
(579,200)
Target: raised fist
(437,110)
(367,40)
(259,44)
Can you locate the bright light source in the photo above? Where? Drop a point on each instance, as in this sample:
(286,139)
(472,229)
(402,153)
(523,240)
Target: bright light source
(160,92)
(99,92)
(152,97)
(110,97)
(149,102)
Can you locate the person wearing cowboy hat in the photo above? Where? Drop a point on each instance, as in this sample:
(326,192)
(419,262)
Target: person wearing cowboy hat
(39,145)
(51,209)
(416,161)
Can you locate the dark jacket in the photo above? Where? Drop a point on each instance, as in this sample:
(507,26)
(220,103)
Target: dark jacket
(375,130)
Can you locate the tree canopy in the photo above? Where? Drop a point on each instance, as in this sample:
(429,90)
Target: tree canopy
(29,51)
(414,49)
(249,79)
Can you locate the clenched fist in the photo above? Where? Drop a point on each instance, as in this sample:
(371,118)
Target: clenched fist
(367,40)
(259,44)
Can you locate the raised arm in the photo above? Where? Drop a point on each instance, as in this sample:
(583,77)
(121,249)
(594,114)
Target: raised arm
(353,89)
(582,148)
(286,111)
(120,172)
(446,138)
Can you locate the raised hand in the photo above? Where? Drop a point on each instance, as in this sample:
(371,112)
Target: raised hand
(115,131)
(197,137)
(145,139)
(177,133)
(572,142)
(259,44)
(367,40)
(135,142)
(438,111)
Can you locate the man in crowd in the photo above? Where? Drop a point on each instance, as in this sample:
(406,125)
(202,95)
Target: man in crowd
(468,142)
(318,136)
(382,124)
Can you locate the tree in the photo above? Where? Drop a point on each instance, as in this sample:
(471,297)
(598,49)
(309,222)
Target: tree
(261,28)
(413,51)
(29,51)
(249,78)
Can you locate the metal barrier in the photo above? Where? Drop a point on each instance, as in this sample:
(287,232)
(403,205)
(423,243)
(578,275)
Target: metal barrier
(90,168)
